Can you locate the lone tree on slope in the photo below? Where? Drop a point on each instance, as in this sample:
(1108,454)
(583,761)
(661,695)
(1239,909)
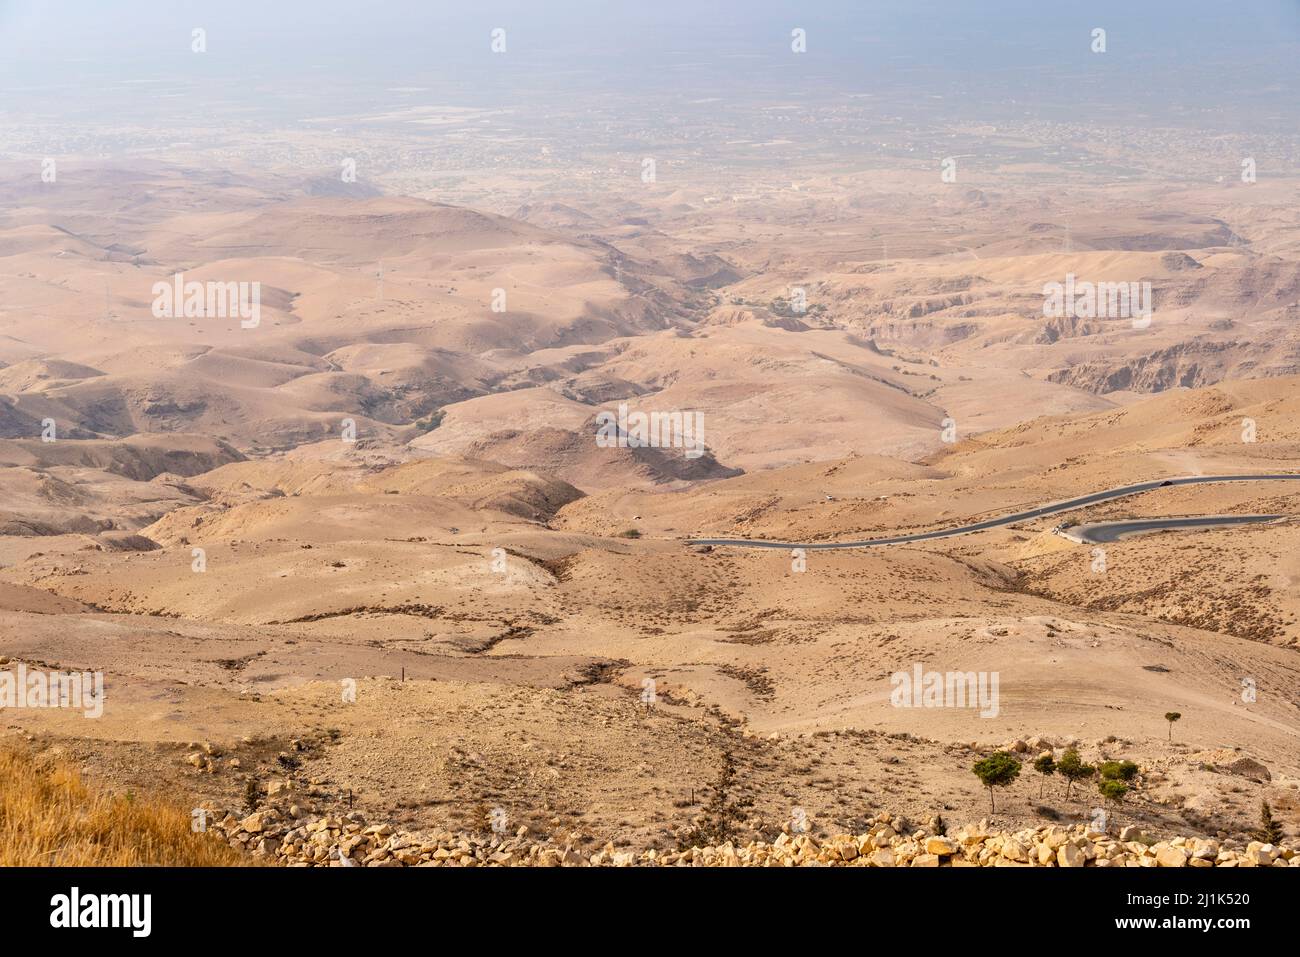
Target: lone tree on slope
(1112,789)
(1171,717)
(1046,766)
(998,770)
(1124,771)
(1072,768)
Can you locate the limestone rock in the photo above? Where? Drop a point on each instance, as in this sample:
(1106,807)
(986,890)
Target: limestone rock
(1067,855)
(1170,856)
(940,846)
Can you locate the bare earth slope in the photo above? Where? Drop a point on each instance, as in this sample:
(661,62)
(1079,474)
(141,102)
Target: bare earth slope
(371,553)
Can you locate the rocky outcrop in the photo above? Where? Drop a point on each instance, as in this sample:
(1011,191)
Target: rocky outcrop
(1248,767)
(1178,262)
(1189,365)
(1068,327)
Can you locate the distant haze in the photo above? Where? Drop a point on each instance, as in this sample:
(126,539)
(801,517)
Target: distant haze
(1198,62)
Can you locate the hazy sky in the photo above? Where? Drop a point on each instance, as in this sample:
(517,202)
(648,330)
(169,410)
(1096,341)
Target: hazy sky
(978,32)
(1176,53)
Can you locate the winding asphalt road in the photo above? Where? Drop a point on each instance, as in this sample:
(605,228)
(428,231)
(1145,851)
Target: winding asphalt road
(1099,533)
(1052,509)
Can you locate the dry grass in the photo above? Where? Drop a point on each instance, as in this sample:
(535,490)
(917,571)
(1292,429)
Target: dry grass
(49,817)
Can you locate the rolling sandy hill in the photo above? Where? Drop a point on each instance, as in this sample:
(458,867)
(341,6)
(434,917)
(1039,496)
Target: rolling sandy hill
(501,588)
(381,310)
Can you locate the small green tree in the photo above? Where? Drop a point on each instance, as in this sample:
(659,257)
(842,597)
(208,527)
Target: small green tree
(1072,768)
(998,770)
(1270,832)
(1124,771)
(1046,766)
(1171,717)
(1112,789)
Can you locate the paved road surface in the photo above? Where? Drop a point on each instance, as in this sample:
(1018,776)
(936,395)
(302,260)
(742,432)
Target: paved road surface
(1052,509)
(1101,532)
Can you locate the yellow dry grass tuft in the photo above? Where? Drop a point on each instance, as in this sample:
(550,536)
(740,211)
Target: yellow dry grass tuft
(49,817)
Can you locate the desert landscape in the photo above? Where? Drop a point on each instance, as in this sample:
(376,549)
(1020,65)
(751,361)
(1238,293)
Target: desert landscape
(377,570)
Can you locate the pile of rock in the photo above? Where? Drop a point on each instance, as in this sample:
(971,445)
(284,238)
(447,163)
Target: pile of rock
(283,838)
(886,844)
(289,839)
